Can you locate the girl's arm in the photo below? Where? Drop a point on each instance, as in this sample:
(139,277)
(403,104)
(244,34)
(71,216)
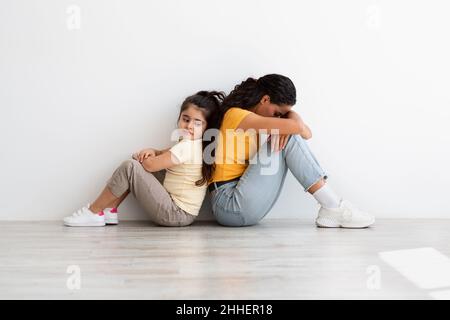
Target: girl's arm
(162,161)
(160,152)
(290,124)
(149,152)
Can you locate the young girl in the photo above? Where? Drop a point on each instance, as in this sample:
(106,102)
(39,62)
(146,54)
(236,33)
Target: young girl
(170,184)
(242,193)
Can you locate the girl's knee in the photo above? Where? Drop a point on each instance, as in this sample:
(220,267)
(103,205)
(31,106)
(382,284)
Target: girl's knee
(129,163)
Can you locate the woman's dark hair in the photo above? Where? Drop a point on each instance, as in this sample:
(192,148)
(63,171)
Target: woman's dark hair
(209,103)
(249,93)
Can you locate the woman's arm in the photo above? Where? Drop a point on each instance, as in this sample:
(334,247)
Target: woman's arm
(291,123)
(306,134)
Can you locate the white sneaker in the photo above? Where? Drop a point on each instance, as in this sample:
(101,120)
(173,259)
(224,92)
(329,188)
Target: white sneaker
(346,216)
(111,217)
(85,218)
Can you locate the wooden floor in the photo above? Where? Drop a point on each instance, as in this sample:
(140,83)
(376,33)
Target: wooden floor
(277,259)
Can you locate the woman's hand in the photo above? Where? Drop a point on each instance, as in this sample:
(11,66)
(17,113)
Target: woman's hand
(278,141)
(144,154)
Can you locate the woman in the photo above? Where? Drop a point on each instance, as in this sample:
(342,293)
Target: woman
(170,184)
(243,189)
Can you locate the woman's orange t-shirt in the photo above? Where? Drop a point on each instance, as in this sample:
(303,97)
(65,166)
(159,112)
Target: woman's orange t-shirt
(234,147)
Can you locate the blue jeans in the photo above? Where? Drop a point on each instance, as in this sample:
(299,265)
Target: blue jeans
(246,201)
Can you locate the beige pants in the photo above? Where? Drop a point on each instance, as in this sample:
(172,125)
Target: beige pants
(148,189)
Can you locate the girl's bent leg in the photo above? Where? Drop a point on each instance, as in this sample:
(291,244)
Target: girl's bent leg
(116,203)
(149,192)
(103,200)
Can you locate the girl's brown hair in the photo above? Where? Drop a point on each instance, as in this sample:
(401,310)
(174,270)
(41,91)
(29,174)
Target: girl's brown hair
(209,103)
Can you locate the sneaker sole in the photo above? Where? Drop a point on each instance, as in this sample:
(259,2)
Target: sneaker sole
(99,224)
(348,226)
(112,222)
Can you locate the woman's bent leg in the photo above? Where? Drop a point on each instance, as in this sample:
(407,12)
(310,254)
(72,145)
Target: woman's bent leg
(261,184)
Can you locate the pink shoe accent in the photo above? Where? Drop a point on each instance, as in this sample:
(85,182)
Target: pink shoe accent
(101,213)
(113,210)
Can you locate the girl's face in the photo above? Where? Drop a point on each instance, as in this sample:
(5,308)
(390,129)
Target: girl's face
(266,108)
(192,122)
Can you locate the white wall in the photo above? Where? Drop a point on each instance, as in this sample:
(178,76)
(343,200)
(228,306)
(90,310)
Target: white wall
(372,76)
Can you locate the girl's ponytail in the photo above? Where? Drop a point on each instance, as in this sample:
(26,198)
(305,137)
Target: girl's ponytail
(244,95)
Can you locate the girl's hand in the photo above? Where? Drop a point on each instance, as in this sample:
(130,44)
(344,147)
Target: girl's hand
(144,154)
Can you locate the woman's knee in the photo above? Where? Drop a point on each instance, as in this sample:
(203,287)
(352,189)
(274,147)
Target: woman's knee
(296,138)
